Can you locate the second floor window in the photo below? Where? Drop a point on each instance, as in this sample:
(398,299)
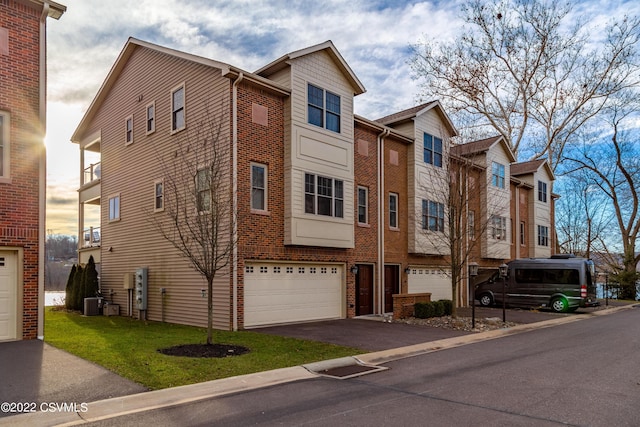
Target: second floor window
(114,208)
(151,118)
(393,210)
(432,150)
(498,227)
(497,175)
(159,196)
(323,196)
(129,130)
(363,205)
(4,145)
(177,109)
(542,191)
(523,228)
(471,225)
(203,190)
(543,235)
(258,187)
(432,216)
(323,108)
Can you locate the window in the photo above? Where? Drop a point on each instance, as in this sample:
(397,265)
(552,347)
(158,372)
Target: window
(323,108)
(543,235)
(203,190)
(498,227)
(432,216)
(393,210)
(542,191)
(471,225)
(177,109)
(323,196)
(4,145)
(432,150)
(129,130)
(114,208)
(363,205)
(158,196)
(497,175)
(258,187)
(522,233)
(151,118)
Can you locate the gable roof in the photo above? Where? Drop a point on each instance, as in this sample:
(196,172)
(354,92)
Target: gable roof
(410,113)
(482,146)
(133,44)
(530,167)
(327,46)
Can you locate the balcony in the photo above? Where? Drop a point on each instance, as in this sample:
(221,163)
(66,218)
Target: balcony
(90,245)
(91,173)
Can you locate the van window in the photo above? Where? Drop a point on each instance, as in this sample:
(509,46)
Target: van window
(565,276)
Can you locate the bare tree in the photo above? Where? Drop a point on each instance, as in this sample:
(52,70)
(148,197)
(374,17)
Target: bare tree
(523,69)
(613,164)
(583,220)
(458,211)
(198,215)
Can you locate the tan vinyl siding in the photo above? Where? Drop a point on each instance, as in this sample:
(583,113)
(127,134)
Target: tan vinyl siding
(131,171)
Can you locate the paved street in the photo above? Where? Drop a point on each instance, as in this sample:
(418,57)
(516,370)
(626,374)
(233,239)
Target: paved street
(580,373)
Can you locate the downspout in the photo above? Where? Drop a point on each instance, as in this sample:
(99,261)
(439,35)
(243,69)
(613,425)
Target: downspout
(381,199)
(234,263)
(42,184)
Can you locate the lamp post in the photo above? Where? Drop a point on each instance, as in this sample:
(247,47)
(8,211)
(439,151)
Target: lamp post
(503,273)
(473,272)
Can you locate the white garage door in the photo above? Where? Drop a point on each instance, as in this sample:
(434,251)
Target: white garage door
(8,295)
(287,293)
(431,280)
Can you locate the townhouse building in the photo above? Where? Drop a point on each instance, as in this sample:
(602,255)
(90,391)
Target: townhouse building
(333,213)
(22,164)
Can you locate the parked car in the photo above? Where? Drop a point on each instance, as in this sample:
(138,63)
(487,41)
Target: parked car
(562,283)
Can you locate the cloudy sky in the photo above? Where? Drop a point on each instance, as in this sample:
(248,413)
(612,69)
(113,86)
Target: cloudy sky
(374,37)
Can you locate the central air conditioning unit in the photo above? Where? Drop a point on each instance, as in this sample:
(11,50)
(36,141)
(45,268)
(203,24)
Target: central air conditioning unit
(91,306)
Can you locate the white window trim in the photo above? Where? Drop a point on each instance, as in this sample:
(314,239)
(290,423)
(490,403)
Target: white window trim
(316,196)
(153,123)
(397,224)
(324,108)
(119,211)
(6,149)
(184,107)
(266,187)
(366,205)
(126,130)
(155,184)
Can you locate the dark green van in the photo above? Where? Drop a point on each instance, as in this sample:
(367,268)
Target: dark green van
(562,283)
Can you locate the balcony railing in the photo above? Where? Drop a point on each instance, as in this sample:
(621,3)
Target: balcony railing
(91,237)
(91,173)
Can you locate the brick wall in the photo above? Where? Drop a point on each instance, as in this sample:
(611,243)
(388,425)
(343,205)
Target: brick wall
(19,91)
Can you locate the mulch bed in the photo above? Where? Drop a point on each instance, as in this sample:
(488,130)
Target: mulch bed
(205,350)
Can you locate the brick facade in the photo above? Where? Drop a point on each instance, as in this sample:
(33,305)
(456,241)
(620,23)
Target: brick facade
(21,91)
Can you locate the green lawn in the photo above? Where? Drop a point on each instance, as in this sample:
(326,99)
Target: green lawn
(129,347)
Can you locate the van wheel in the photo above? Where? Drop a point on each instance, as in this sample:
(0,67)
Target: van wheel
(486,300)
(559,305)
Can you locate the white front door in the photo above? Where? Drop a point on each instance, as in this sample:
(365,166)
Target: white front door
(8,295)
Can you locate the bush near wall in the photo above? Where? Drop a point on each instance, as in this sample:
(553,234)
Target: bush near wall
(424,310)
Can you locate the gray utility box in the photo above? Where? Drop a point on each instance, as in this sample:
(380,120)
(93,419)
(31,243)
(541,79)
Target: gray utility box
(111,309)
(91,306)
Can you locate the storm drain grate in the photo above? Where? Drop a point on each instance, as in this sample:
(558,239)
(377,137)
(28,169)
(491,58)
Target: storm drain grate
(351,371)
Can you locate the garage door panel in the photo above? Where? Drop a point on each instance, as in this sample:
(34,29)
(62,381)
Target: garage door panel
(8,295)
(433,281)
(285,294)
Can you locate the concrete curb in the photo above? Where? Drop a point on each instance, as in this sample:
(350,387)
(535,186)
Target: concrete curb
(164,398)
